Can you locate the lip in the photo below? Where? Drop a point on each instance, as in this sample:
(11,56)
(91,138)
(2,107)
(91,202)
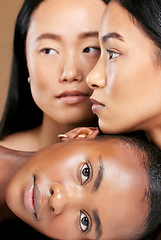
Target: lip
(72,97)
(32,198)
(97,106)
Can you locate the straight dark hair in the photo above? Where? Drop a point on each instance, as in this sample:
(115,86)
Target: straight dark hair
(21,112)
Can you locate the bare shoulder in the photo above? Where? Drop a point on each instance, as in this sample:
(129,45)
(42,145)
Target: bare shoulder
(23,141)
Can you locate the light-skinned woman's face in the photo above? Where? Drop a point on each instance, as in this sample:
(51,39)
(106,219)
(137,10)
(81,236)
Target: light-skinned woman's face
(82,189)
(126,79)
(62,47)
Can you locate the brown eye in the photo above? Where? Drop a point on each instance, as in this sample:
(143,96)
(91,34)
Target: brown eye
(112,54)
(85,172)
(92,50)
(48,51)
(84,222)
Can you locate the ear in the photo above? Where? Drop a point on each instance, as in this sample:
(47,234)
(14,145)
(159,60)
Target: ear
(79,133)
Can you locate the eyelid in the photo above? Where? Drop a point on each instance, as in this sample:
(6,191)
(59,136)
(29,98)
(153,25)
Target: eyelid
(47,48)
(96,48)
(90,175)
(90,221)
(112,51)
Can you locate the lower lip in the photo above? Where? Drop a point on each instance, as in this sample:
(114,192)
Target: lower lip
(73,99)
(29,197)
(97,107)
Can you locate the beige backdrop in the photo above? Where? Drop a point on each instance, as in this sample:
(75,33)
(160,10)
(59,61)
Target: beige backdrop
(8,13)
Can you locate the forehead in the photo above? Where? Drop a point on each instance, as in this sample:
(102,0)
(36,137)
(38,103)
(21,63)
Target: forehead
(117,19)
(68,12)
(115,16)
(125,185)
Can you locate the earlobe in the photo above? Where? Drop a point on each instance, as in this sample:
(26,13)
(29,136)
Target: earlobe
(80,133)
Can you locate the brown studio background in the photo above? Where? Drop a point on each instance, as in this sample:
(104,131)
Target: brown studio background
(8,13)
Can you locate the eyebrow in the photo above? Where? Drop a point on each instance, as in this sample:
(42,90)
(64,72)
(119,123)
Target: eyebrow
(112,35)
(98,228)
(51,36)
(99,177)
(88,35)
(57,37)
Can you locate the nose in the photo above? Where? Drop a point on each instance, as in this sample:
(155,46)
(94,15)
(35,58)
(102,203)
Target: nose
(70,72)
(97,76)
(62,198)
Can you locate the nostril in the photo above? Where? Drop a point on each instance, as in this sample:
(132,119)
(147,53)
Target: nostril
(94,85)
(51,192)
(52,209)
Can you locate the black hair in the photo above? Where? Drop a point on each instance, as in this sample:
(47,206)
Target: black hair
(20,112)
(151,157)
(147,15)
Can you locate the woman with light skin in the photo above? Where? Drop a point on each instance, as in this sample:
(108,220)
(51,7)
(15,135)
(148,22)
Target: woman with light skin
(105,188)
(55,47)
(127,78)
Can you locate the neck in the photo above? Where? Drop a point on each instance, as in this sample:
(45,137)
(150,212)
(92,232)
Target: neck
(10,162)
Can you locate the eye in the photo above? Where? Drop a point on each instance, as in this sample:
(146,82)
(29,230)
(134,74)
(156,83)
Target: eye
(112,54)
(86,172)
(92,50)
(48,51)
(84,222)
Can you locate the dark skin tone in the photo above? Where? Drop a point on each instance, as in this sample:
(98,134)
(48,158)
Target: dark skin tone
(10,162)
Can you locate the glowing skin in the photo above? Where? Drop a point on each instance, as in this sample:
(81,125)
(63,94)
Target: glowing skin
(126,79)
(62,47)
(82,189)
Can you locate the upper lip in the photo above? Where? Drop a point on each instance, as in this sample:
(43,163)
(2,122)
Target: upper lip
(71,93)
(96,102)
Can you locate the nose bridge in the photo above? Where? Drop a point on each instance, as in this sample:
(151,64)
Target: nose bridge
(97,77)
(70,71)
(63,198)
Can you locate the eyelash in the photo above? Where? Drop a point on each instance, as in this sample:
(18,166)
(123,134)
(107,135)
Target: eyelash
(111,54)
(85,222)
(94,49)
(86,169)
(47,51)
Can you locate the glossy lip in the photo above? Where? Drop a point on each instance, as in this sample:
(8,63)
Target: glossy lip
(72,97)
(32,198)
(97,106)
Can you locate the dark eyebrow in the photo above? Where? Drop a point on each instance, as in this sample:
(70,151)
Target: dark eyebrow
(98,228)
(99,177)
(112,35)
(48,36)
(88,34)
(53,36)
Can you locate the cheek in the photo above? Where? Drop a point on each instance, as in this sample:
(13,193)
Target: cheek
(42,72)
(122,80)
(59,227)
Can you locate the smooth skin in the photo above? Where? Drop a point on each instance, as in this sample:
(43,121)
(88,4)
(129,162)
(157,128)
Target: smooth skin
(61,48)
(127,78)
(83,189)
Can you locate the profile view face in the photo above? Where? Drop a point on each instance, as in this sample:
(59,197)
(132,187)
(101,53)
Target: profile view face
(127,75)
(82,189)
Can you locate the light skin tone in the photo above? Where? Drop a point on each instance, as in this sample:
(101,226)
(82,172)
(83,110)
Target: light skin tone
(59,56)
(126,79)
(74,182)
